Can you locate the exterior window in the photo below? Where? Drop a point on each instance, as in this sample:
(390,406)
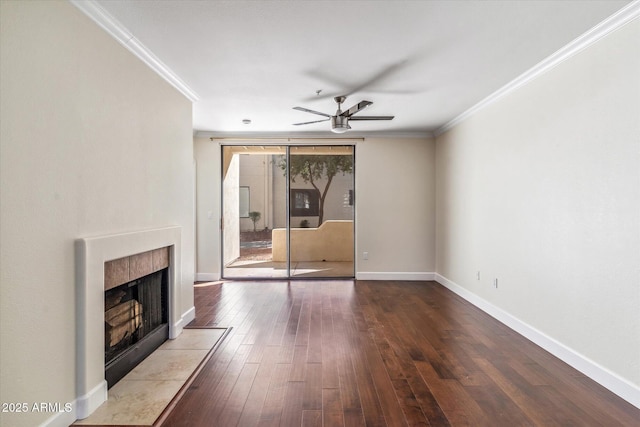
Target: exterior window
(244,202)
(304,202)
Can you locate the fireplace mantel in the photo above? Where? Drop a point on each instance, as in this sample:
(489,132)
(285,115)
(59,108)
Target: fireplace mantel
(91,255)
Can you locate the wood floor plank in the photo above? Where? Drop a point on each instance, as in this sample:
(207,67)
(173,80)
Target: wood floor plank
(329,350)
(393,345)
(595,394)
(332,414)
(271,413)
(311,418)
(371,404)
(299,363)
(314,353)
(256,400)
(304,323)
(345,346)
(384,353)
(528,397)
(498,407)
(221,392)
(409,403)
(276,335)
(454,400)
(291,331)
(349,393)
(384,387)
(292,409)
(261,311)
(235,403)
(312,394)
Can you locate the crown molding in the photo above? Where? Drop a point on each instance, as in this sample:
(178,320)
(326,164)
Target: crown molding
(313,135)
(119,32)
(612,23)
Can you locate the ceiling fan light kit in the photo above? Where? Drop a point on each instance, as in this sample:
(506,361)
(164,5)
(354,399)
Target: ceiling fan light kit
(339,124)
(340,121)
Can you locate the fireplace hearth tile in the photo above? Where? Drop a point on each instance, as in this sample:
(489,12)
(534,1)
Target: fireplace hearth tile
(143,394)
(168,365)
(134,403)
(202,339)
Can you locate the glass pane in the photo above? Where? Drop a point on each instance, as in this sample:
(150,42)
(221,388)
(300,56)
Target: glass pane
(321,211)
(254,212)
(244,202)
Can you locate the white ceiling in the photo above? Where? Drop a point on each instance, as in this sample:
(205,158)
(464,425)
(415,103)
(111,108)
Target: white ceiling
(427,61)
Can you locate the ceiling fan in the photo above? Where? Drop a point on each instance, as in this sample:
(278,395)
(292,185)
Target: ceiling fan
(340,121)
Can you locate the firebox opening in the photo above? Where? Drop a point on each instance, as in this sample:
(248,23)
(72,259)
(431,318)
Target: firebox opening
(136,323)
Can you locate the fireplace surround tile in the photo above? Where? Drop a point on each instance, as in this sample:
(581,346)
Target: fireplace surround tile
(140,265)
(122,270)
(160,258)
(92,254)
(116,273)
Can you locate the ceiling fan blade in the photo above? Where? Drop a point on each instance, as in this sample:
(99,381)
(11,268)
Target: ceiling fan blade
(333,94)
(381,75)
(358,107)
(308,123)
(306,110)
(349,87)
(356,118)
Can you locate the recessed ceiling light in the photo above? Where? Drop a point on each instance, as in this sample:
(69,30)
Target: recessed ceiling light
(246,121)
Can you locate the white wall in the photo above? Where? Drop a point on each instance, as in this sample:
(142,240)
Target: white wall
(542,191)
(395,208)
(208,160)
(92,143)
(231,211)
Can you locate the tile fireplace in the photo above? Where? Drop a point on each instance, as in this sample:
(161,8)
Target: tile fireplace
(135,310)
(99,260)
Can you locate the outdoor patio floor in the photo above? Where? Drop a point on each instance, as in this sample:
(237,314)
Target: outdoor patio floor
(269,269)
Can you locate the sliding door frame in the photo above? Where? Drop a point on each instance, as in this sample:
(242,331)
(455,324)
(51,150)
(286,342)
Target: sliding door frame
(287,143)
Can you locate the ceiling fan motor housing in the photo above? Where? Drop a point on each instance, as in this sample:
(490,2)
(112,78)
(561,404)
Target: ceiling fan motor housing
(339,124)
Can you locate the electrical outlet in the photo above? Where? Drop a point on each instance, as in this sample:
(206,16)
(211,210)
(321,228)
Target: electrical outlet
(495,283)
(365,255)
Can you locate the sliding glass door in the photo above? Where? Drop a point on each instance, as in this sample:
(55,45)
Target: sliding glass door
(287,211)
(252,212)
(321,211)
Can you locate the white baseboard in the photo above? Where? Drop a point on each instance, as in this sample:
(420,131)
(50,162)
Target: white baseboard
(207,277)
(189,316)
(394,275)
(83,406)
(61,419)
(601,375)
(185,319)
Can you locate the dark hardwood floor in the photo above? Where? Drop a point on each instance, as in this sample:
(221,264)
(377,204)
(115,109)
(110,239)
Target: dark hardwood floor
(334,353)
